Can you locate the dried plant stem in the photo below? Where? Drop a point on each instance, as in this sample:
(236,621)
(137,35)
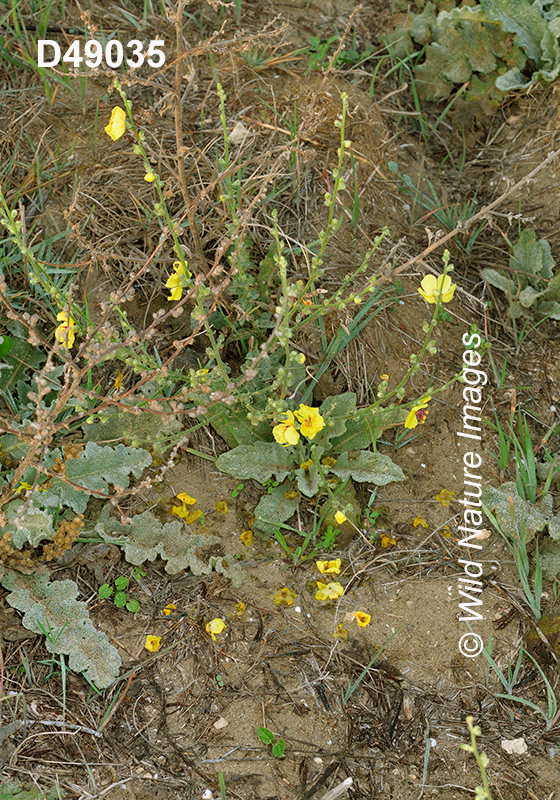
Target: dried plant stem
(189,205)
(484,213)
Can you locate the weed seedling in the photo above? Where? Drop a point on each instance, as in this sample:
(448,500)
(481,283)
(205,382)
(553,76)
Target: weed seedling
(120,598)
(268,738)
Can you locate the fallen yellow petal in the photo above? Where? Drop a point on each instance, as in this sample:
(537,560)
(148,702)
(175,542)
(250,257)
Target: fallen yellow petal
(340,632)
(326,567)
(152,643)
(215,626)
(169,608)
(222,507)
(362,619)
(247,538)
(340,517)
(284,597)
(185,498)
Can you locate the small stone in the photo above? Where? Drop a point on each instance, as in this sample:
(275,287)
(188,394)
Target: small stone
(516,747)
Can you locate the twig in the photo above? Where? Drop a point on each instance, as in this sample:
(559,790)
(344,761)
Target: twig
(179,139)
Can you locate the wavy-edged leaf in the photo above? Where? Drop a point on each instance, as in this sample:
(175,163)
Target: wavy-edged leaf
(274,509)
(27,524)
(258,461)
(367,467)
(146,538)
(53,606)
(534,517)
(96,467)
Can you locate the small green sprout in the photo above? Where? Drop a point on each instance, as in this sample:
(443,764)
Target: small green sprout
(120,598)
(268,738)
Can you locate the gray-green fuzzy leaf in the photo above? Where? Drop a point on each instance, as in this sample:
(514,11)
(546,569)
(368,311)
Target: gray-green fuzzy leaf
(53,606)
(274,509)
(146,538)
(33,524)
(96,467)
(259,461)
(534,517)
(367,467)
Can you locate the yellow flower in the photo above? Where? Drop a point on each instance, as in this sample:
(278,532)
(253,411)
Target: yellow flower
(119,380)
(152,643)
(285,432)
(149,177)
(24,487)
(417,413)
(340,517)
(247,538)
(178,281)
(300,358)
(183,513)
(326,567)
(329,591)
(116,126)
(306,464)
(340,632)
(222,507)
(65,331)
(169,608)
(362,619)
(445,497)
(285,597)
(186,499)
(431,288)
(311,421)
(387,541)
(420,521)
(384,377)
(215,626)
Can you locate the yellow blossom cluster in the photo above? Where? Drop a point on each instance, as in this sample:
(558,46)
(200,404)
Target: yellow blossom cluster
(311,422)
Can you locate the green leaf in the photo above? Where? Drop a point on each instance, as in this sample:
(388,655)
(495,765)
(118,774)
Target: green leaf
(522,19)
(549,555)
(278,748)
(96,467)
(367,467)
(259,461)
(232,424)
(27,523)
(308,481)
(133,606)
(120,599)
(54,606)
(104,591)
(146,538)
(13,791)
(21,358)
(367,428)
(532,258)
(144,430)
(337,410)
(266,736)
(274,508)
(534,517)
(121,583)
